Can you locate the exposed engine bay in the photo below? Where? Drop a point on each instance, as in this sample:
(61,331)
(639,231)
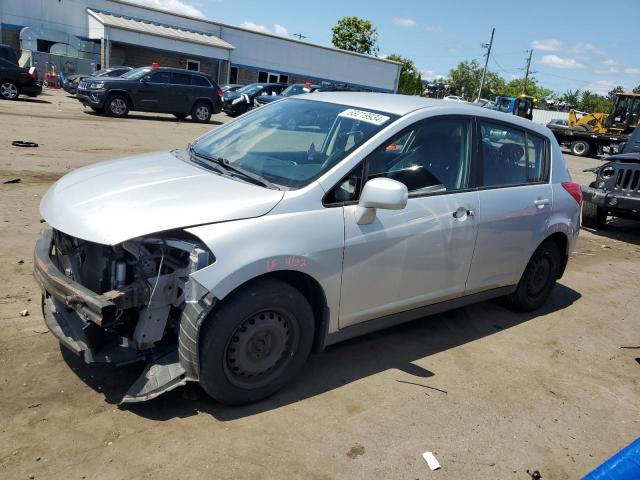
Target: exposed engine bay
(126,303)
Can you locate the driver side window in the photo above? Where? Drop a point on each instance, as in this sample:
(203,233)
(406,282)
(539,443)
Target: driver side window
(431,156)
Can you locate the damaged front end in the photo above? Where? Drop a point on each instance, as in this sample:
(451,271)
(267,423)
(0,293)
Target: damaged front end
(131,302)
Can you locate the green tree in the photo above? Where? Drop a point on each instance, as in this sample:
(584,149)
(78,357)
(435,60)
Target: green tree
(410,79)
(516,87)
(572,97)
(465,81)
(355,35)
(636,90)
(592,102)
(612,93)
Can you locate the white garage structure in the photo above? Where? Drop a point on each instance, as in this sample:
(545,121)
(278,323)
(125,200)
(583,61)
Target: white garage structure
(116,32)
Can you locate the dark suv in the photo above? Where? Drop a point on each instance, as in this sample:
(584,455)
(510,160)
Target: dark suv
(163,90)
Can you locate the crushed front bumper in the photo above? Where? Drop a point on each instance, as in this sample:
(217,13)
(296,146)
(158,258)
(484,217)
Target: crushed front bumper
(75,315)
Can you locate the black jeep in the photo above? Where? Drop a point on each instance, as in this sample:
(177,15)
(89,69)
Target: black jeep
(616,189)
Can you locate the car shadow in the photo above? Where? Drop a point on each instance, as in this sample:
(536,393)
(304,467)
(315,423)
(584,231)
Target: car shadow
(620,229)
(338,365)
(32,100)
(152,117)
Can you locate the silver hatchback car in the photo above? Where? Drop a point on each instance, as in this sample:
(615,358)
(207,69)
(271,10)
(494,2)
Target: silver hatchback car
(228,262)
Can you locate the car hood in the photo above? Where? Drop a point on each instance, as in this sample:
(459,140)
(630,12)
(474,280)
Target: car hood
(115,201)
(624,157)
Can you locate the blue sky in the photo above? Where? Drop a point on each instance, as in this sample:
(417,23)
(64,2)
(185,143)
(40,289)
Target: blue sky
(574,48)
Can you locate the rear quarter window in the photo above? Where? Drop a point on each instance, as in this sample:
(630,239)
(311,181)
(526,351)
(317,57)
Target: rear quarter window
(200,81)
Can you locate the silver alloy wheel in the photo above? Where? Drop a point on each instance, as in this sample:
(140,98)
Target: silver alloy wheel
(579,148)
(118,106)
(202,112)
(9,91)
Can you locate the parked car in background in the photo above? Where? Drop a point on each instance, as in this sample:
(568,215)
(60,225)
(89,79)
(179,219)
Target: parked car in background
(238,102)
(454,98)
(230,87)
(290,91)
(559,123)
(8,53)
(15,81)
(226,263)
(163,90)
(71,82)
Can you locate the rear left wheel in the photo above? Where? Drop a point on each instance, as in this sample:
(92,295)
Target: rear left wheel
(255,342)
(9,90)
(201,112)
(538,278)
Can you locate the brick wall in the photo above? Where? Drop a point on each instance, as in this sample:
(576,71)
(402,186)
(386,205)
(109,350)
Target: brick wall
(140,57)
(246,76)
(11,37)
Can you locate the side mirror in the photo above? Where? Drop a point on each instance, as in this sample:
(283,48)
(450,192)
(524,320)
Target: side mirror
(146,78)
(382,193)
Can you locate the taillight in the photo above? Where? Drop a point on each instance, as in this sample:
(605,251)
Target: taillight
(574,190)
(34,74)
(219,92)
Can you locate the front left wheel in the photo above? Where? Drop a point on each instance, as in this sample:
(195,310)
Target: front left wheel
(255,342)
(538,278)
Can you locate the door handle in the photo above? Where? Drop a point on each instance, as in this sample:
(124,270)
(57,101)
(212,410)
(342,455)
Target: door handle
(541,202)
(461,213)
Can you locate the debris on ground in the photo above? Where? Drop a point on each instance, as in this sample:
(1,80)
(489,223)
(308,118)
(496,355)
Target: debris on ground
(24,313)
(422,385)
(20,262)
(35,405)
(535,475)
(13,180)
(431,460)
(24,143)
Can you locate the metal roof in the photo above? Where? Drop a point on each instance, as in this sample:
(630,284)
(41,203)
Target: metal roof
(152,28)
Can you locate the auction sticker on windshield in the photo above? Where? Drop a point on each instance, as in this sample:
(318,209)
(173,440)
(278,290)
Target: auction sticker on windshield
(363,116)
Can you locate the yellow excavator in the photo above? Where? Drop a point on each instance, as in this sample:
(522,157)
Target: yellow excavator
(623,118)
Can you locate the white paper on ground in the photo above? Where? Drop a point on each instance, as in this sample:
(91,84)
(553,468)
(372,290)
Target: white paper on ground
(431,460)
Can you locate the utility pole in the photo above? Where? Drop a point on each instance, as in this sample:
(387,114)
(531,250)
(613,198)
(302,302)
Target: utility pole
(526,75)
(486,62)
(299,35)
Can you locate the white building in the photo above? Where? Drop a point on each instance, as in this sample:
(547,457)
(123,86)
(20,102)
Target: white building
(80,35)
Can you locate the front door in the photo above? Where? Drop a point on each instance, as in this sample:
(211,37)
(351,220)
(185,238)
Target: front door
(515,204)
(419,255)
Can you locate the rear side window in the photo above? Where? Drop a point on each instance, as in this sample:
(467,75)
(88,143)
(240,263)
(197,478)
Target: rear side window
(181,79)
(510,156)
(200,81)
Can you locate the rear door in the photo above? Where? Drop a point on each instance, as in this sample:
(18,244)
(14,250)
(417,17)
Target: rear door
(515,203)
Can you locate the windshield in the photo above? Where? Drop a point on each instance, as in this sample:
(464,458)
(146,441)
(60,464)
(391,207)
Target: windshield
(250,89)
(294,90)
(292,142)
(137,73)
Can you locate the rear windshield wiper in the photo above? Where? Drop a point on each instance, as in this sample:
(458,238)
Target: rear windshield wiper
(234,170)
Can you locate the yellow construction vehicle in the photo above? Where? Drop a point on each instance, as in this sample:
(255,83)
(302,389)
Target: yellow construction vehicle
(623,118)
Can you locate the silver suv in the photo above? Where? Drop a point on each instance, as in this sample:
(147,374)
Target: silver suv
(228,262)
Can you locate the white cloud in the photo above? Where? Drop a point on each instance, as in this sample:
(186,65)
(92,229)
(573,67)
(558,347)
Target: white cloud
(280,30)
(430,75)
(632,71)
(405,22)
(583,48)
(558,62)
(174,6)
(277,29)
(610,62)
(601,87)
(550,45)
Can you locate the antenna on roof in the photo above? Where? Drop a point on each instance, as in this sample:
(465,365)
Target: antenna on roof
(299,35)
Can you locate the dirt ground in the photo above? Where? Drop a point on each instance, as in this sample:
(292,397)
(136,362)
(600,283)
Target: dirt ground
(490,392)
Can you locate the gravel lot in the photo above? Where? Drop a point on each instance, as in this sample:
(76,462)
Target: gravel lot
(491,392)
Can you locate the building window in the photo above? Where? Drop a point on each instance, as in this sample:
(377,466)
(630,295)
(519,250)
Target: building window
(193,65)
(233,75)
(263,77)
(284,78)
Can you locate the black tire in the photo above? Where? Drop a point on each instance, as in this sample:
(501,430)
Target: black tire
(201,112)
(580,148)
(538,278)
(97,109)
(9,90)
(255,342)
(180,116)
(117,105)
(593,216)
